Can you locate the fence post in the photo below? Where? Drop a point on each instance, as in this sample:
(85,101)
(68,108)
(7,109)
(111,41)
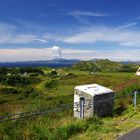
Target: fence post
(135,99)
(82,102)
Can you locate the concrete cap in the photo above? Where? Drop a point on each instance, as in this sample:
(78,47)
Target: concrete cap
(93,89)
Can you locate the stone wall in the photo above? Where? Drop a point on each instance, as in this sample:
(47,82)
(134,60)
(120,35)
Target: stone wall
(99,104)
(103,104)
(88,106)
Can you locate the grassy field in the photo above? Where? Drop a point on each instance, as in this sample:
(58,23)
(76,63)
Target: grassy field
(62,125)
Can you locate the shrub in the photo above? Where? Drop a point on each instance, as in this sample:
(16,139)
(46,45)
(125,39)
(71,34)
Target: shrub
(51,84)
(9,91)
(2,101)
(53,74)
(30,92)
(31,70)
(128,68)
(17,80)
(70,75)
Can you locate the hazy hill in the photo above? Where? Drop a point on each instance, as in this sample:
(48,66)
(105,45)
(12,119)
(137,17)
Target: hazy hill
(49,63)
(105,65)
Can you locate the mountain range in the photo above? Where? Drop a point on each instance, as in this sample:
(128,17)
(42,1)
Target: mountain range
(61,63)
(49,63)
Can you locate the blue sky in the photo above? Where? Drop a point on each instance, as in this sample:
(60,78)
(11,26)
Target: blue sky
(82,29)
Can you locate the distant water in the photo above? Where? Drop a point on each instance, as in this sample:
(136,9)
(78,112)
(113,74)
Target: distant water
(33,64)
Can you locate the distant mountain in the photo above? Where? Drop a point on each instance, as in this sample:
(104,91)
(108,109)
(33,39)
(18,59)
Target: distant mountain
(92,65)
(127,62)
(105,65)
(130,62)
(50,63)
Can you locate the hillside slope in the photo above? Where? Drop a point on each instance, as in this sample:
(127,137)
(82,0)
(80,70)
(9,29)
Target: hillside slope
(105,65)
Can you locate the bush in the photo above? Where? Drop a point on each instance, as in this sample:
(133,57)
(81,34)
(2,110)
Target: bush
(2,77)
(30,92)
(2,101)
(31,70)
(3,70)
(9,91)
(70,75)
(17,80)
(33,74)
(51,84)
(128,68)
(52,74)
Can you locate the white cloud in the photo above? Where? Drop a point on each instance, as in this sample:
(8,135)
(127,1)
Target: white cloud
(80,16)
(128,25)
(57,52)
(21,39)
(32,54)
(87,13)
(10,34)
(24,54)
(106,34)
(122,35)
(117,55)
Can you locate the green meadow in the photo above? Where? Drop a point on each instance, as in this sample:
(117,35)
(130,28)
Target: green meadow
(47,89)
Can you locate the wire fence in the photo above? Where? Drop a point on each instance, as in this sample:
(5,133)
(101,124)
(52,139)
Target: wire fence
(63,107)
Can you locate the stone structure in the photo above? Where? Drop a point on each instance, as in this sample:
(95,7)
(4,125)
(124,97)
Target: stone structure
(92,99)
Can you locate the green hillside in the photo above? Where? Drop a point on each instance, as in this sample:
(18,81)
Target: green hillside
(43,88)
(105,65)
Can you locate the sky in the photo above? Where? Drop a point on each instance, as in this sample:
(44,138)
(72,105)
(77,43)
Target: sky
(71,29)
